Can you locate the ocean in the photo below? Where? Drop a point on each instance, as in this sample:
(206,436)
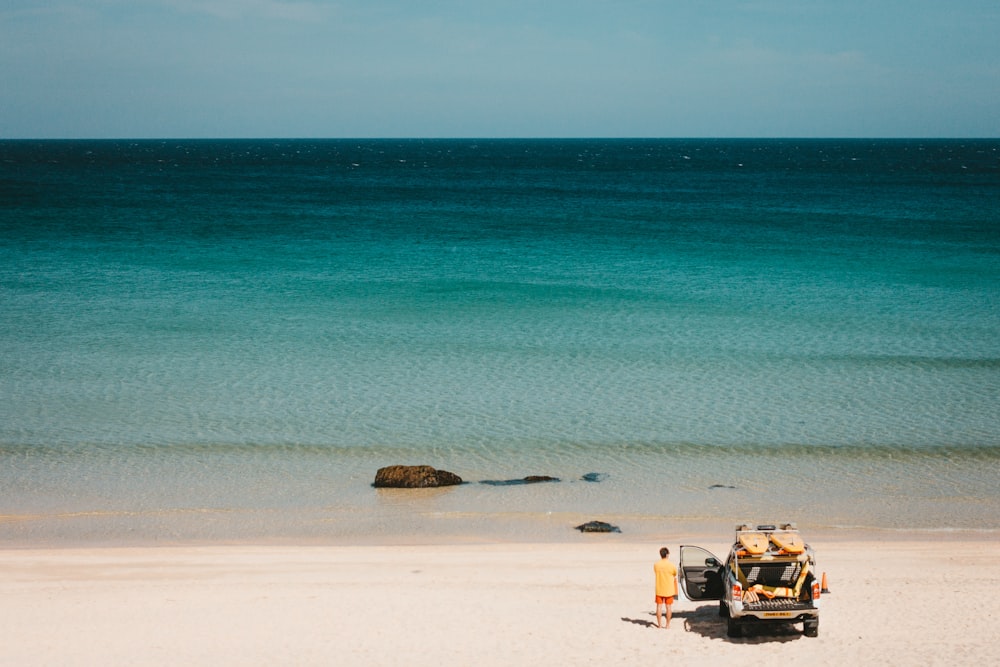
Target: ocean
(205,341)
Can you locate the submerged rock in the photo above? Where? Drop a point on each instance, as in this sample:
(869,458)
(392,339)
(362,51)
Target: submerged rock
(595,477)
(414,477)
(530,479)
(721,486)
(598,527)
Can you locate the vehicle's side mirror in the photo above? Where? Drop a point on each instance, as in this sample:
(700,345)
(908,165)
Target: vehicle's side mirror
(711,562)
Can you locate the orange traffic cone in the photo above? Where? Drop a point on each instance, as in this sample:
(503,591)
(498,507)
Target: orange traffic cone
(823,589)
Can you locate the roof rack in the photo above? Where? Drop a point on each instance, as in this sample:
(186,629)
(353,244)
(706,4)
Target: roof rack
(765,527)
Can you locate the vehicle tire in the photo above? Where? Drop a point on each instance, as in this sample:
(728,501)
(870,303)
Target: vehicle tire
(733,627)
(811,628)
(723,610)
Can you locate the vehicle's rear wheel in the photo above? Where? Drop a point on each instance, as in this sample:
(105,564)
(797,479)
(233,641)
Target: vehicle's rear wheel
(723,610)
(811,628)
(733,627)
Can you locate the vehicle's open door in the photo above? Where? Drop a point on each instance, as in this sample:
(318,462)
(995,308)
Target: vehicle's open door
(700,574)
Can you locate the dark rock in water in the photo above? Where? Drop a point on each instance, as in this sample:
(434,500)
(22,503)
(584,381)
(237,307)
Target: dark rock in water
(534,479)
(598,527)
(595,477)
(721,486)
(530,479)
(414,477)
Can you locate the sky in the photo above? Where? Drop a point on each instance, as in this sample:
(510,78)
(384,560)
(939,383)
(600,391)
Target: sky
(500,68)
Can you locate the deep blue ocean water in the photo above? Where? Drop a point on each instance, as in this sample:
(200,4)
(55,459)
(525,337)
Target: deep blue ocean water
(225,339)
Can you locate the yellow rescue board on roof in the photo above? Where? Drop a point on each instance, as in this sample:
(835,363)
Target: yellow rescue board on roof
(755,543)
(791,542)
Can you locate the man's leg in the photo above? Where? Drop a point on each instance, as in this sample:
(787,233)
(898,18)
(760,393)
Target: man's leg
(659,616)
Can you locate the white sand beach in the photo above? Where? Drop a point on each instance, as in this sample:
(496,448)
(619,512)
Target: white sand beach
(891,602)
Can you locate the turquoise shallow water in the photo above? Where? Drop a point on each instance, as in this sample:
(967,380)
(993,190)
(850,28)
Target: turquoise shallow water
(224,340)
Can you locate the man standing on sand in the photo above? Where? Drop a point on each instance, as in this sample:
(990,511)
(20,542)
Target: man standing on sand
(666,586)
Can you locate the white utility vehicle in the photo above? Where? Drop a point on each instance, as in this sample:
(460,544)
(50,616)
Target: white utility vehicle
(769,577)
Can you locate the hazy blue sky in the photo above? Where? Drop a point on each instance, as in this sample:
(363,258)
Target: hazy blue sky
(550,68)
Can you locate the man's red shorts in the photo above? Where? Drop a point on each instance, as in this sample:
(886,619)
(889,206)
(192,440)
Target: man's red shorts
(664,600)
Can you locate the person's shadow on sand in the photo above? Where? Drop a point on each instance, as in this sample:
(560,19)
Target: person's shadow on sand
(705,621)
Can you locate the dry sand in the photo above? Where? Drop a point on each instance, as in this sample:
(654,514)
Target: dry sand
(589,602)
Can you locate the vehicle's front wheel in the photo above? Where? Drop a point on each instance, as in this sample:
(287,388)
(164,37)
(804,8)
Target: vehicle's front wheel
(811,628)
(733,627)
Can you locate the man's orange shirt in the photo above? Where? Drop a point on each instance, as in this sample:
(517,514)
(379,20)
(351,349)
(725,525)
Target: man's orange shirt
(666,575)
